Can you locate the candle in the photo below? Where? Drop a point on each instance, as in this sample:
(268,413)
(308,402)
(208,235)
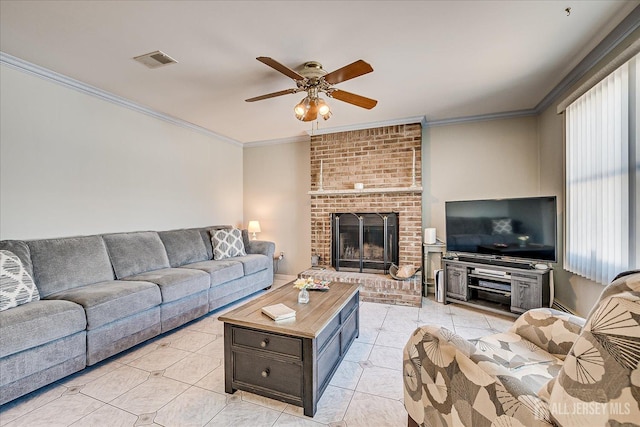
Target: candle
(429,235)
(414,159)
(413,169)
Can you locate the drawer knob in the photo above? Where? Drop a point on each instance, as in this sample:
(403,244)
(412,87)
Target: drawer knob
(266,373)
(264,343)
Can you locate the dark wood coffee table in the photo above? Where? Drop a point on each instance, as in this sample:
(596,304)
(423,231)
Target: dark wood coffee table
(290,360)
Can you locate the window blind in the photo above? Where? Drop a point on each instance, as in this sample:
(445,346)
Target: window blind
(598,180)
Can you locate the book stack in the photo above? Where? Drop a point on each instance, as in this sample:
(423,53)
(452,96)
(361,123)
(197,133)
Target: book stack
(279,312)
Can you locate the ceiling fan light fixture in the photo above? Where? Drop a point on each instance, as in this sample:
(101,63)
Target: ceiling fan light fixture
(323,108)
(312,111)
(301,110)
(310,107)
(313,79)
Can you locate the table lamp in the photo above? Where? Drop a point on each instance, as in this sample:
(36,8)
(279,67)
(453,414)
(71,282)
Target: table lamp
(253,228)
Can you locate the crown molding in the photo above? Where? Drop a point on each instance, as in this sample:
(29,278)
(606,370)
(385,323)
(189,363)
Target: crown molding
(44,73)
(610,42)
(483,117)
(290,140)
(371,125)
(403,121)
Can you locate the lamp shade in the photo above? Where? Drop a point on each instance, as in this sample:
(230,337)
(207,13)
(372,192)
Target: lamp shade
(254,227)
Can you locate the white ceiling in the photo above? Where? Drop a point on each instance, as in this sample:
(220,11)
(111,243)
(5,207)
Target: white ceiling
(438,59)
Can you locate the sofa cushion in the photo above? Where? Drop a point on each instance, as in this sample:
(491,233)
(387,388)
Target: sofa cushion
(205,234)
(16,285)
(38,323)
(112,300)
(227,244)
(61,264)
(252,263)
(21,249)
(135,253)
(176,283)
(517,358)
(183,246)
(219,271)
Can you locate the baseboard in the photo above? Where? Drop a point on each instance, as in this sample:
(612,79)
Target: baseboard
(562,307)
(286,277)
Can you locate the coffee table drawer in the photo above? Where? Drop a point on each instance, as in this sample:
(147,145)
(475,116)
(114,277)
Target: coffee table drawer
(328,332)
(271,374)
(348,308)
(268,342)
(349,330)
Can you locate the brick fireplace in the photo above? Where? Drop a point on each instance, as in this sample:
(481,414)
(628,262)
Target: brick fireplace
(383,160)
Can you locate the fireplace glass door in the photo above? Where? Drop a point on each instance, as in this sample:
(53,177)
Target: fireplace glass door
(364,242)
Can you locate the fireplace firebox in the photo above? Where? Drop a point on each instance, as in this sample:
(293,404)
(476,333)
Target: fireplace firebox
(364,242)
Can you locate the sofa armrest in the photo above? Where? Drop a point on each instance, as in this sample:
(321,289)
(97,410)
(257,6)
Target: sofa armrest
(443,386)
(552,330)
(263,247)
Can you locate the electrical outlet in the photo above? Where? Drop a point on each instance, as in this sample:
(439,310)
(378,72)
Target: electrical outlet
(281,255)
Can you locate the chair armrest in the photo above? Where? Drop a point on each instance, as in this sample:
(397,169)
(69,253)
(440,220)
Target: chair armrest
(443,386)
(552,330)
(601,370)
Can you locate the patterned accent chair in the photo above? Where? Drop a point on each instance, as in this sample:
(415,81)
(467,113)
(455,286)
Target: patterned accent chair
(550,368)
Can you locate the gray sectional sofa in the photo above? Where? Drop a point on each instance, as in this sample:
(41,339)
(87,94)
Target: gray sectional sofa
(102,294)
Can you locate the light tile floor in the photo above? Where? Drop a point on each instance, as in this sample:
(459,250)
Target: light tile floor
(177,379)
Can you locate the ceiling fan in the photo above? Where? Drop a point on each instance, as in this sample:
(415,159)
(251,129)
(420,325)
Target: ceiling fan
(313,79)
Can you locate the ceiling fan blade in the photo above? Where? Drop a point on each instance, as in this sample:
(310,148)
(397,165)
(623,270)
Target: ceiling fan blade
(348,72)
(352,98)
(279,67)
(272,95)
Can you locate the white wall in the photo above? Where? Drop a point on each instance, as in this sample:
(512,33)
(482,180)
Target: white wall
(73,164)
(497,158)
(276,182)
(478,160)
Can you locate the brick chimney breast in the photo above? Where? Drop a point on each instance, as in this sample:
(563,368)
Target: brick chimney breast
(381,159)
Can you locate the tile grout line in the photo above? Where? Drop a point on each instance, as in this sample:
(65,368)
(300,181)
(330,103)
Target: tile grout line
(374,312)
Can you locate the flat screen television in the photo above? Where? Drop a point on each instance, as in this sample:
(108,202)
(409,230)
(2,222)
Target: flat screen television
(523,228)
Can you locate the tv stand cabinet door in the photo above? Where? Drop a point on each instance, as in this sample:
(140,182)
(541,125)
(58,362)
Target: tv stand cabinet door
(526,293)
(456,282)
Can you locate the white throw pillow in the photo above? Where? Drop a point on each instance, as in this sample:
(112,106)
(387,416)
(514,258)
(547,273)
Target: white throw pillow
(16,285)
(502,226)
(227,243)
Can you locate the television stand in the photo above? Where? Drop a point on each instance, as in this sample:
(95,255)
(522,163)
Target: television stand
(496,261)
(498,288)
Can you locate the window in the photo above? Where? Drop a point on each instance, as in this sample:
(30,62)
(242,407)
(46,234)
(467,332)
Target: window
(601,177)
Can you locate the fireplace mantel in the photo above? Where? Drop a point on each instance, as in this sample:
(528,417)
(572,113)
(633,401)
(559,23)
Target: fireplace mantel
(366,191)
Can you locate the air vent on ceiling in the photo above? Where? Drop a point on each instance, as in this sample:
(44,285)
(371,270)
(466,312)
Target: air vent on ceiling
(155,59)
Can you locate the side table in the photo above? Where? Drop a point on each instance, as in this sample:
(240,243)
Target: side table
(432,254)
